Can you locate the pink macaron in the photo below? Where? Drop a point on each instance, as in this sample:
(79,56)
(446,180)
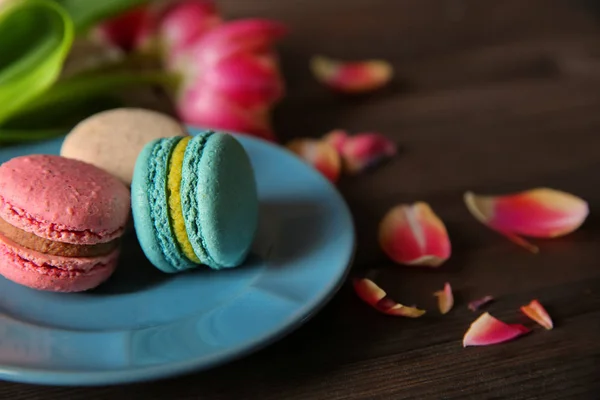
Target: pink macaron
(61,221)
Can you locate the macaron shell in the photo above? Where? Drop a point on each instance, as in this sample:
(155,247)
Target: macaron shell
(150,208)
(113,139)
(222,216)
(53,273)
(61,199)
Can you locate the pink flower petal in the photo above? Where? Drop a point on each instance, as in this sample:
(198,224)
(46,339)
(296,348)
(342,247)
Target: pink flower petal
(127,31)
(249,36)
(351,77)
(477,304)
(185,21)
(414,235)
(368,291)
(373,295)
(366,150)
(231,80)
(542,213)
(337,138)
(445,298)
(538,313)
(488,330)
(320,155)
(361,151)
(246,80)
(210,110)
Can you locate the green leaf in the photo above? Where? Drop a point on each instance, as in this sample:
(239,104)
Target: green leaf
(61,115)
(69,101)
(35,37)
(86,13)
(87,85)
(17,135)
(54,120)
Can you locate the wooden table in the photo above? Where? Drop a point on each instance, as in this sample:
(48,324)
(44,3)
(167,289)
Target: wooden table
(491,96)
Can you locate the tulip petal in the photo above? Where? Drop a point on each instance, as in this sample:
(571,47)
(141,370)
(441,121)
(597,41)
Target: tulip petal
(185,21)
(487,330)
(376,297)
(541,213)
(366,150)
(127,31)
(231,77)
(210,110)
(249,36)
(319,154)
(246,80)
(414,235)
(369,291)
(538,313)
(445,298)
(362,151)
(478,303)
(351,77)
(337,138)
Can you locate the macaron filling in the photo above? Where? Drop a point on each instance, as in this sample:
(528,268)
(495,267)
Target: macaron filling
(158,201)
(52,230)
(174,199)
(46,246)
(54,273)
(57,265)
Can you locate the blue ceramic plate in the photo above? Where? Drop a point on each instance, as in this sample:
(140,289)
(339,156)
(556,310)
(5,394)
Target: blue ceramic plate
(142,324)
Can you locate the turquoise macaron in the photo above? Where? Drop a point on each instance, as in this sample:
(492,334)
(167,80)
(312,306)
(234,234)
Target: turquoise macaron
(194,202)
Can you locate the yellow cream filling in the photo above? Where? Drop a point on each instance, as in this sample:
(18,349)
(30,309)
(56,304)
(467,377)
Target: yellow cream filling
(174,200)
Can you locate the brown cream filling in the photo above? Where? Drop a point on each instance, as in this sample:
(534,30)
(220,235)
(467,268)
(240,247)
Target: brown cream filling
(46,246)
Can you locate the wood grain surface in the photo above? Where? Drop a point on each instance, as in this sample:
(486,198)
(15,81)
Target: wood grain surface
(490,96)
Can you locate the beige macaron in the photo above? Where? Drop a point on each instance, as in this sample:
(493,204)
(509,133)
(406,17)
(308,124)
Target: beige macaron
(113,139)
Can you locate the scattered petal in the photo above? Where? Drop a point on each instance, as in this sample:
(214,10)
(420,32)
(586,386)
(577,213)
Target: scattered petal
(368,291)
(487,330)
(373,295)
(319,154)
(445,298)
(537,213)
(337,138)
(477,304)
(538,313)
(414,235)
(366,150)
(351,77)
(362,151)
(541,213)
